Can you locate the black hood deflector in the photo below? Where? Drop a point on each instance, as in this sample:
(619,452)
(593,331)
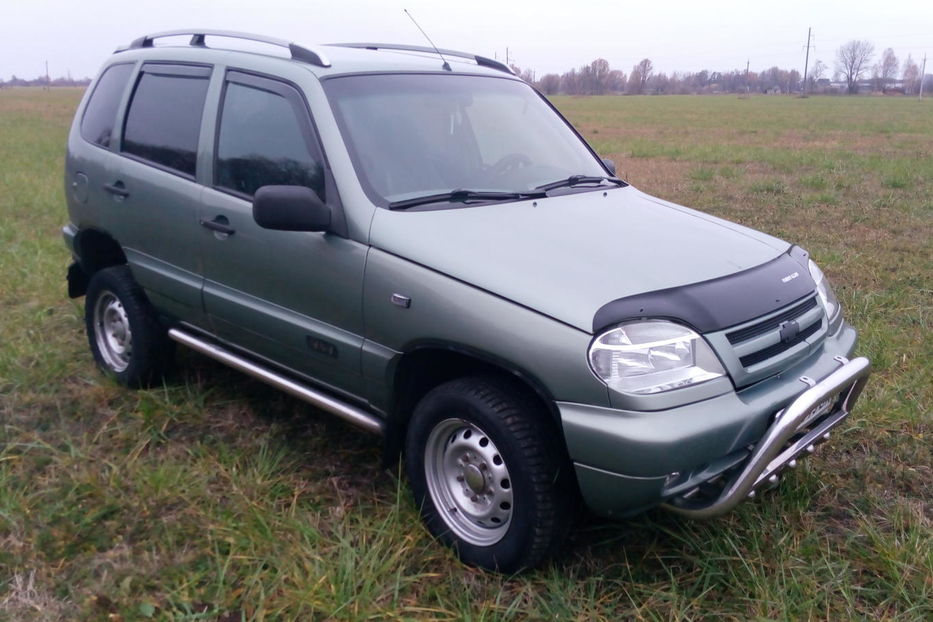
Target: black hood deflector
(718,304)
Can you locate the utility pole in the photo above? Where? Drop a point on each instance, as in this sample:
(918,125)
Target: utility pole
(48,81)
(506,56)
(806,61)
(923,74)
(747,62)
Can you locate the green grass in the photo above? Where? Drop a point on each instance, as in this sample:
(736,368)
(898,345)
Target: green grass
(217,498)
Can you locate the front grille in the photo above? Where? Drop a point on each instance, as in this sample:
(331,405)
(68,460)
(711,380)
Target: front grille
(762,355)
(772,323)
(758,346)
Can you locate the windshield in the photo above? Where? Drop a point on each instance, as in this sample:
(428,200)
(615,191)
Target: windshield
(414,135)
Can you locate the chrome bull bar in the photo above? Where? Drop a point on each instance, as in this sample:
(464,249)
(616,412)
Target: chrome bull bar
(775,451)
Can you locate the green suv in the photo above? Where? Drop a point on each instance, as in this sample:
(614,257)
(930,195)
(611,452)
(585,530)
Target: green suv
(416,241)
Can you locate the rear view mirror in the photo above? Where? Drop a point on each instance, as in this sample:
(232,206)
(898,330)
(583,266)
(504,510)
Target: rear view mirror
(290,208)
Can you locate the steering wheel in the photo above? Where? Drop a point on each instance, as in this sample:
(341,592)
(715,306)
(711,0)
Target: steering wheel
(509,163)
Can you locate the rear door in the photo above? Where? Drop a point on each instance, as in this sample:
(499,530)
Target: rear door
(152,189)
(293,298)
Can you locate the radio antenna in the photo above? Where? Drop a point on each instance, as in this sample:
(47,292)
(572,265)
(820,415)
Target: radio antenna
(446,65)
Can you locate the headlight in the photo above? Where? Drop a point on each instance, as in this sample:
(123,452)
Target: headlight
(652,356)
(825,290)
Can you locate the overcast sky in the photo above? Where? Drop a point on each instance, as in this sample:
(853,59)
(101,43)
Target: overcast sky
(76,36)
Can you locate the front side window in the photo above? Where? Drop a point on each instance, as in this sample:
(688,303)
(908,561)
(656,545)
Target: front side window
(418,134)
(101,110)
(265,139)
(164,118)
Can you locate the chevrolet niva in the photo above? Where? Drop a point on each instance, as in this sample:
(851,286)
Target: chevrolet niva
(416,241)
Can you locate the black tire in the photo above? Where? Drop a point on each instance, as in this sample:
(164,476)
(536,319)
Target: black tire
(496,522)
(126,338)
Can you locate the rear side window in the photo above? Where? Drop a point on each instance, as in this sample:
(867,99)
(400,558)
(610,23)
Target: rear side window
(101,110)
(164,118)
(265,138)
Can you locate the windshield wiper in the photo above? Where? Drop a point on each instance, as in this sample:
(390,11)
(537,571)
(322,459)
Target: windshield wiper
(575,180)
(466,195)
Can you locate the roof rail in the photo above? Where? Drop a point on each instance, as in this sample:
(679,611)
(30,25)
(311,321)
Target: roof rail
(480,60)
(298,52)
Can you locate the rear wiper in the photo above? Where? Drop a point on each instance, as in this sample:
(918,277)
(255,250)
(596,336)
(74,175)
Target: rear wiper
(575,180)
(466,195)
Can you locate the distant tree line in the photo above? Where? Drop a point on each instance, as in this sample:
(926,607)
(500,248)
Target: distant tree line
(853,72)
(45,81)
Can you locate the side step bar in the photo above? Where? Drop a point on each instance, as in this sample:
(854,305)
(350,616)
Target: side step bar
(334,406)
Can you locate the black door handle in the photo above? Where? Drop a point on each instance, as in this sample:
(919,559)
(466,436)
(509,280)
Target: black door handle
(117,189)
(219,225)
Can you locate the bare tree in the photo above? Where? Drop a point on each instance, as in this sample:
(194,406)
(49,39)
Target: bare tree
(638,80)
(645,67)
(888,69)
(817,72)
(597,73)
(528,75)
(615,81)
(877,84)
(601,71)
(911,76)
(549,84)
(570,82)
(852,60)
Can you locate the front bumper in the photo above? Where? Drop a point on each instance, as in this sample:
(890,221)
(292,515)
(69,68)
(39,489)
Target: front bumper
(794,433)
(702,458)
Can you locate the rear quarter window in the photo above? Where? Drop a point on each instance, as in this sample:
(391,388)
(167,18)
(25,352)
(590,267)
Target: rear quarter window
(101,111)
(164,117)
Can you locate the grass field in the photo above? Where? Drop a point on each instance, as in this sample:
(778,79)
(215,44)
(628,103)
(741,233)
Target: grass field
(216,498)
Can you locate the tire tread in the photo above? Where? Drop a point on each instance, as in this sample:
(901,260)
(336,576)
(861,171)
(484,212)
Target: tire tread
(535,438)
(152,349)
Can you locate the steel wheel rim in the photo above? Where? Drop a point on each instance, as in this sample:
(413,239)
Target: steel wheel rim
(112,332)
(469,482)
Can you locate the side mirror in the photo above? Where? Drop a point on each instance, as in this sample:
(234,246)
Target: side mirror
(609,164)
(290,208)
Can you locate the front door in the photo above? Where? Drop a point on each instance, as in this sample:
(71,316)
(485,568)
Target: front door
(293,298)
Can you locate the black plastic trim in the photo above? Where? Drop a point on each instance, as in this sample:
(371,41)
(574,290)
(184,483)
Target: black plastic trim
(775,322)
(771,351)
(77,280)
(181,69)
(717,304)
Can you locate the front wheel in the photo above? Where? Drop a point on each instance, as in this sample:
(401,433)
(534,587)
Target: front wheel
(486,470)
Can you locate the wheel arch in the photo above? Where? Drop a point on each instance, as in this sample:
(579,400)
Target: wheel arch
(95,250)
(427,364)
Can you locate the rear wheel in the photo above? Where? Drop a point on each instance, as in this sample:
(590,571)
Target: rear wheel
(488,475)
(125,337)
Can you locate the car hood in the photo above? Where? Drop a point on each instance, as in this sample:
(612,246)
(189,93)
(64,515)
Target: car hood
(567,256)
